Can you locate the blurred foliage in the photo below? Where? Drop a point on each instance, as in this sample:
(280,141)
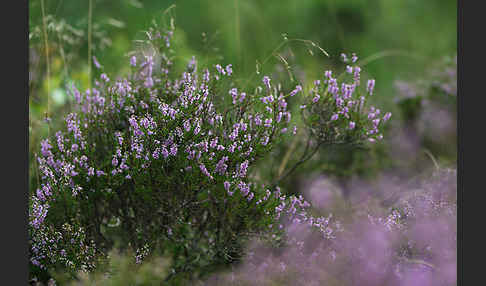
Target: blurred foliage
(121,270)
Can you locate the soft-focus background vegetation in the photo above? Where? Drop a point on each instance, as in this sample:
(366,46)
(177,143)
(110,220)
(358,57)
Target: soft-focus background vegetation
(400,42)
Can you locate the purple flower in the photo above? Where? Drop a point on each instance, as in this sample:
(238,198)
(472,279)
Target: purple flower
(220,69)
(133,61)
(376,122)
(229,70)
(268,122)
(104,77)
(187,125)
(96,63)
(344,57)
(165,153)
(357,71)
(258,120)
(45,148)
(370,86)
(39,213)
(114,161)
(334,117)
(197,129)
(352,125)
(244,188)
(296,90)
(173,150)
(242,96)
(227,185)
(149,82)
(328,74)
(266,81)
(205,171)
(74,147)
(243,169)
(387,116)
(234,94)
(221,166)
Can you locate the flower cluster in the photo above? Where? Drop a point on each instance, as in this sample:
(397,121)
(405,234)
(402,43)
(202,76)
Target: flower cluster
(336,111)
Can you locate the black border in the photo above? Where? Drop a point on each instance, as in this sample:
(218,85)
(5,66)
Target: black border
(471,95)
(14,160)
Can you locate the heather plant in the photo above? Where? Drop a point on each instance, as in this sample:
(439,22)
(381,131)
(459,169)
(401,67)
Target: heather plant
(411,242)
(160,162)
(339,125)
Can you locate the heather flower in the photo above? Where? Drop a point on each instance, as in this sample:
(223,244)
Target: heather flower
(244,188)
(221,166)
(328,74)
(370,86)
(243,169)
(386,116)
(266,81)
(74,147)
(104,77)
(268,122)
(344,57)
(296,90)
(133,61)
(45,148)
(205,171)
(227,185)
(234,94)
(96,63)
(220,69)
(229,69)
(356,74)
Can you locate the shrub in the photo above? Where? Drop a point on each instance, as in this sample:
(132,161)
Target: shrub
(160,162)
